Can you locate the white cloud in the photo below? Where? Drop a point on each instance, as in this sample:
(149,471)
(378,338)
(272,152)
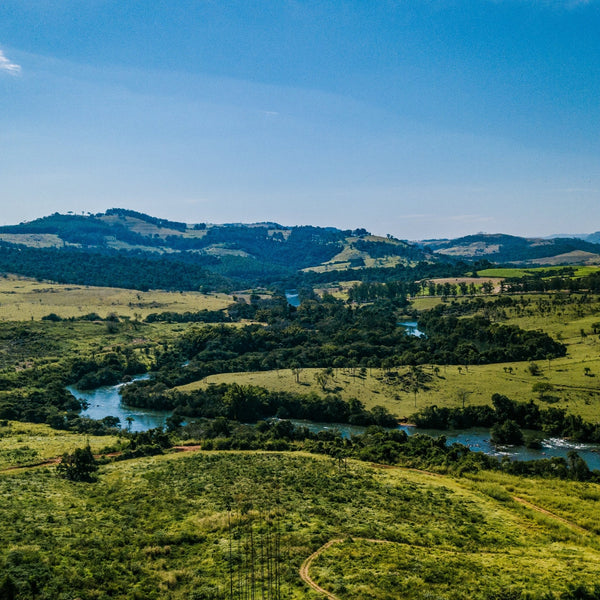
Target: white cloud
(7,66)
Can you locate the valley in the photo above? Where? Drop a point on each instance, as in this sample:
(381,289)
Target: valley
(263,503)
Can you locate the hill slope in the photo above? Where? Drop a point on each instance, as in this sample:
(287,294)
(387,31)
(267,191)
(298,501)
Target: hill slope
(501,248)
(233,525)
(258,253)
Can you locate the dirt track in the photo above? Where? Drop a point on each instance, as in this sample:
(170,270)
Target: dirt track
(304,569)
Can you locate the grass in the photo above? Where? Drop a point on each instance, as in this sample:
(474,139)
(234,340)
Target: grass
(574,377)
(390,571)
(23,444)
(43,344)
(26,299)
(577,392)
(521,272)
(158,527)
(34,240)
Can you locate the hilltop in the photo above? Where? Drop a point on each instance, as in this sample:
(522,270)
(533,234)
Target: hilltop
(213,255)
(130,249)
(502,248)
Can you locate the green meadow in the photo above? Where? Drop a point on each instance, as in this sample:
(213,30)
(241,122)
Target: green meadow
(203,524)
(23,299)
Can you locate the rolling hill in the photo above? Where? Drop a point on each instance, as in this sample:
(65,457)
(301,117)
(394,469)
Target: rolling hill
(213,256)
(501,248)
(130,249)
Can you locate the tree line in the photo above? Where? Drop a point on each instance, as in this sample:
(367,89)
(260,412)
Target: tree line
(552,421)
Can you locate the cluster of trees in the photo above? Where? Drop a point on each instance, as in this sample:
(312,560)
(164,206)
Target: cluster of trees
(52,404)
(541,282)
(401,272)
(131,270)
(477,340)
(249,404)
(201,316)
(398,291)
(379,445)
(109,368)
(552,421)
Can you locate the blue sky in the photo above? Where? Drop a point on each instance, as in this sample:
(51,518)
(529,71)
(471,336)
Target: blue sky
(416,118)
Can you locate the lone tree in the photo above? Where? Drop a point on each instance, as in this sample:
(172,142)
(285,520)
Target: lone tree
(78,466)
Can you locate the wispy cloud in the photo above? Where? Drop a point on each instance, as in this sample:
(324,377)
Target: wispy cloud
(7,66)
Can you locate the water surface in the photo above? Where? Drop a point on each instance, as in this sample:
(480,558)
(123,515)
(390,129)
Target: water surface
(105,401)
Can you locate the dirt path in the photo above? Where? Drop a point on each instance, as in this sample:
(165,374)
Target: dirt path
(552,515)
(44,463)
(305,568)
(56,459)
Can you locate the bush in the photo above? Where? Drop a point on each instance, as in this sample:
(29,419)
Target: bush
(79,466)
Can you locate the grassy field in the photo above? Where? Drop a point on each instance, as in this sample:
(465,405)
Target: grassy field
(577,392)
(39,344)
(23,444)
(192,525)
(522,272)
(25,299)
(575,377)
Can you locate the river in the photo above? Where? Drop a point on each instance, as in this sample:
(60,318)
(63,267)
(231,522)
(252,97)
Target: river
(106,401)
(412,328)
(292,298)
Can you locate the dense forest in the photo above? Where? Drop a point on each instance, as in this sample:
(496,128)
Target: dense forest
(113,245)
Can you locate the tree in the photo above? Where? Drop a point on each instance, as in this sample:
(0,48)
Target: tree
(463,396)
(296,370)
(534,369)
(544,390)
(507,433)
(322,378)
(487,287)
(78,466)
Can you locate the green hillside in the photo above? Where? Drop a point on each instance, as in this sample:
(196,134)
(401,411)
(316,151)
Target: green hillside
(125,243)
(235,525)
(501,248)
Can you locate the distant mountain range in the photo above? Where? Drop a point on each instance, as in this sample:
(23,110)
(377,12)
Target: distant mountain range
(131,249)
(501,248)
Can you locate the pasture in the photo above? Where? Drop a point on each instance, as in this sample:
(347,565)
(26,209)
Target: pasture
(24,299)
